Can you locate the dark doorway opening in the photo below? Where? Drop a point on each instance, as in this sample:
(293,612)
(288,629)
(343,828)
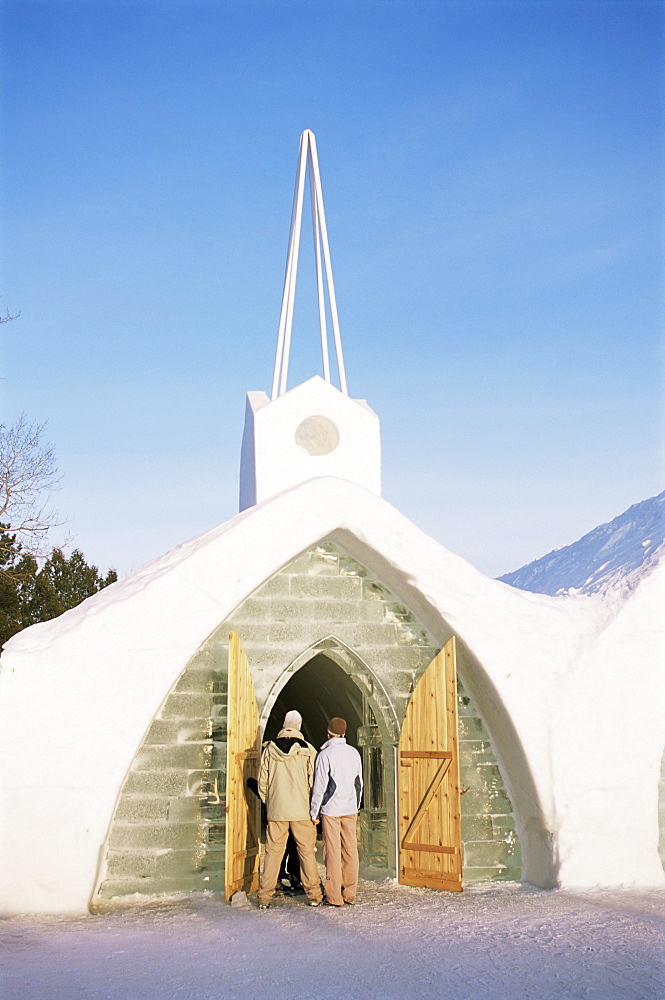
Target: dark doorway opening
(320,690)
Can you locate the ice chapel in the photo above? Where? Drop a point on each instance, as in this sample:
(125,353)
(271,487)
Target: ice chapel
(131,724)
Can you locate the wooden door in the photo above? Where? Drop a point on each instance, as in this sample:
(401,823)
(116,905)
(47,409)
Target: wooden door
(243,809)
(429,826)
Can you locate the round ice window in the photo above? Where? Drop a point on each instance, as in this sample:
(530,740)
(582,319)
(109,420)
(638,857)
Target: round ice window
(317,436)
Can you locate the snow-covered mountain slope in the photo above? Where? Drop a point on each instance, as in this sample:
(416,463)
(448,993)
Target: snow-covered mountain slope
(617,554)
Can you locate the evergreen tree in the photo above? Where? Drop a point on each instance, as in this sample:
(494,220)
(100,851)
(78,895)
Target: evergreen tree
(63,582)
(17,576)
(29,594)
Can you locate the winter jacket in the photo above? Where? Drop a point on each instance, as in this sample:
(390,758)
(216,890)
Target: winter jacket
(338,780)
(286,775)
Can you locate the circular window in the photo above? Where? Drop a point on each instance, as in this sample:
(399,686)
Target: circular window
(317,436)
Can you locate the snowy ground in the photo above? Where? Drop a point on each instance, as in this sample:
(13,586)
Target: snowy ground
(499,942)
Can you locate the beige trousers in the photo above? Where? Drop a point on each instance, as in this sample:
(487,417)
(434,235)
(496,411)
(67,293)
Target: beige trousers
(277,833)
(340,853)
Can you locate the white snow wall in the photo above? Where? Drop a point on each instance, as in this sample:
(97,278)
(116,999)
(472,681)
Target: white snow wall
(571,690)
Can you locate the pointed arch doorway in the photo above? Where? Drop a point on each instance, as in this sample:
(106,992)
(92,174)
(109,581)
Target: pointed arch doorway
(319,690)
(168,831)
(428,788)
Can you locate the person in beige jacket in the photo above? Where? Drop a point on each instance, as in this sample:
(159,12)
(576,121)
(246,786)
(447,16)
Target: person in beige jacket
(286,775)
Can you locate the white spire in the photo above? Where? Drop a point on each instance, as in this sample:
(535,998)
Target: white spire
(307,157)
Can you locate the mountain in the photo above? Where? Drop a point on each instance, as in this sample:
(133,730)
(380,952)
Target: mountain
(616,554)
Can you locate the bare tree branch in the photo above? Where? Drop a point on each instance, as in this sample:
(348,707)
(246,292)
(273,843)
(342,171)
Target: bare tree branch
(28,477)
(7,318)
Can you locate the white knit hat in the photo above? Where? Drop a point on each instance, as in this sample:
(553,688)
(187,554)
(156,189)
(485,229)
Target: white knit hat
(292,720)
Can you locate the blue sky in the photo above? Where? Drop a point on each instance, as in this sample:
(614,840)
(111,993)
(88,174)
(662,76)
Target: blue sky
(492,174)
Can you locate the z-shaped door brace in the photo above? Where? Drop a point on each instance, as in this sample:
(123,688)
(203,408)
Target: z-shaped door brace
(445,757)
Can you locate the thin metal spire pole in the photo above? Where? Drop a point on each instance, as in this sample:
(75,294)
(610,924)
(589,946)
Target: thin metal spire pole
(302,171)
(319,275)
(291,270)
(329,276)
(288,295)
(279,355)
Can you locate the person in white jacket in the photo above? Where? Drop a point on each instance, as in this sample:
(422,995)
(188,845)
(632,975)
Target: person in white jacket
(336,796)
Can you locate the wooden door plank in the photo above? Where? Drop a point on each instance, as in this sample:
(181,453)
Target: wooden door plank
(432,848)
(428,880)
(428,780)
(242,755)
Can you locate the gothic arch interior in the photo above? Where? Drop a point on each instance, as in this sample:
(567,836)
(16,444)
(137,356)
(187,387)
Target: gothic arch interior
(319,690)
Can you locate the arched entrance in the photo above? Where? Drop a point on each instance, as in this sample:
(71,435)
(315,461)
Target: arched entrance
(320,689)
(168,829)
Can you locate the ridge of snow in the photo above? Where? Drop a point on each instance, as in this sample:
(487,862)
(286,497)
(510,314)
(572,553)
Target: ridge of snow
(614,556)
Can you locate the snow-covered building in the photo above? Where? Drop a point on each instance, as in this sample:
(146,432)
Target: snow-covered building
(113,717)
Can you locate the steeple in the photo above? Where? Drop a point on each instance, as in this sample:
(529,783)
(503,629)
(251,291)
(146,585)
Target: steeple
(308,160)
(315,429)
